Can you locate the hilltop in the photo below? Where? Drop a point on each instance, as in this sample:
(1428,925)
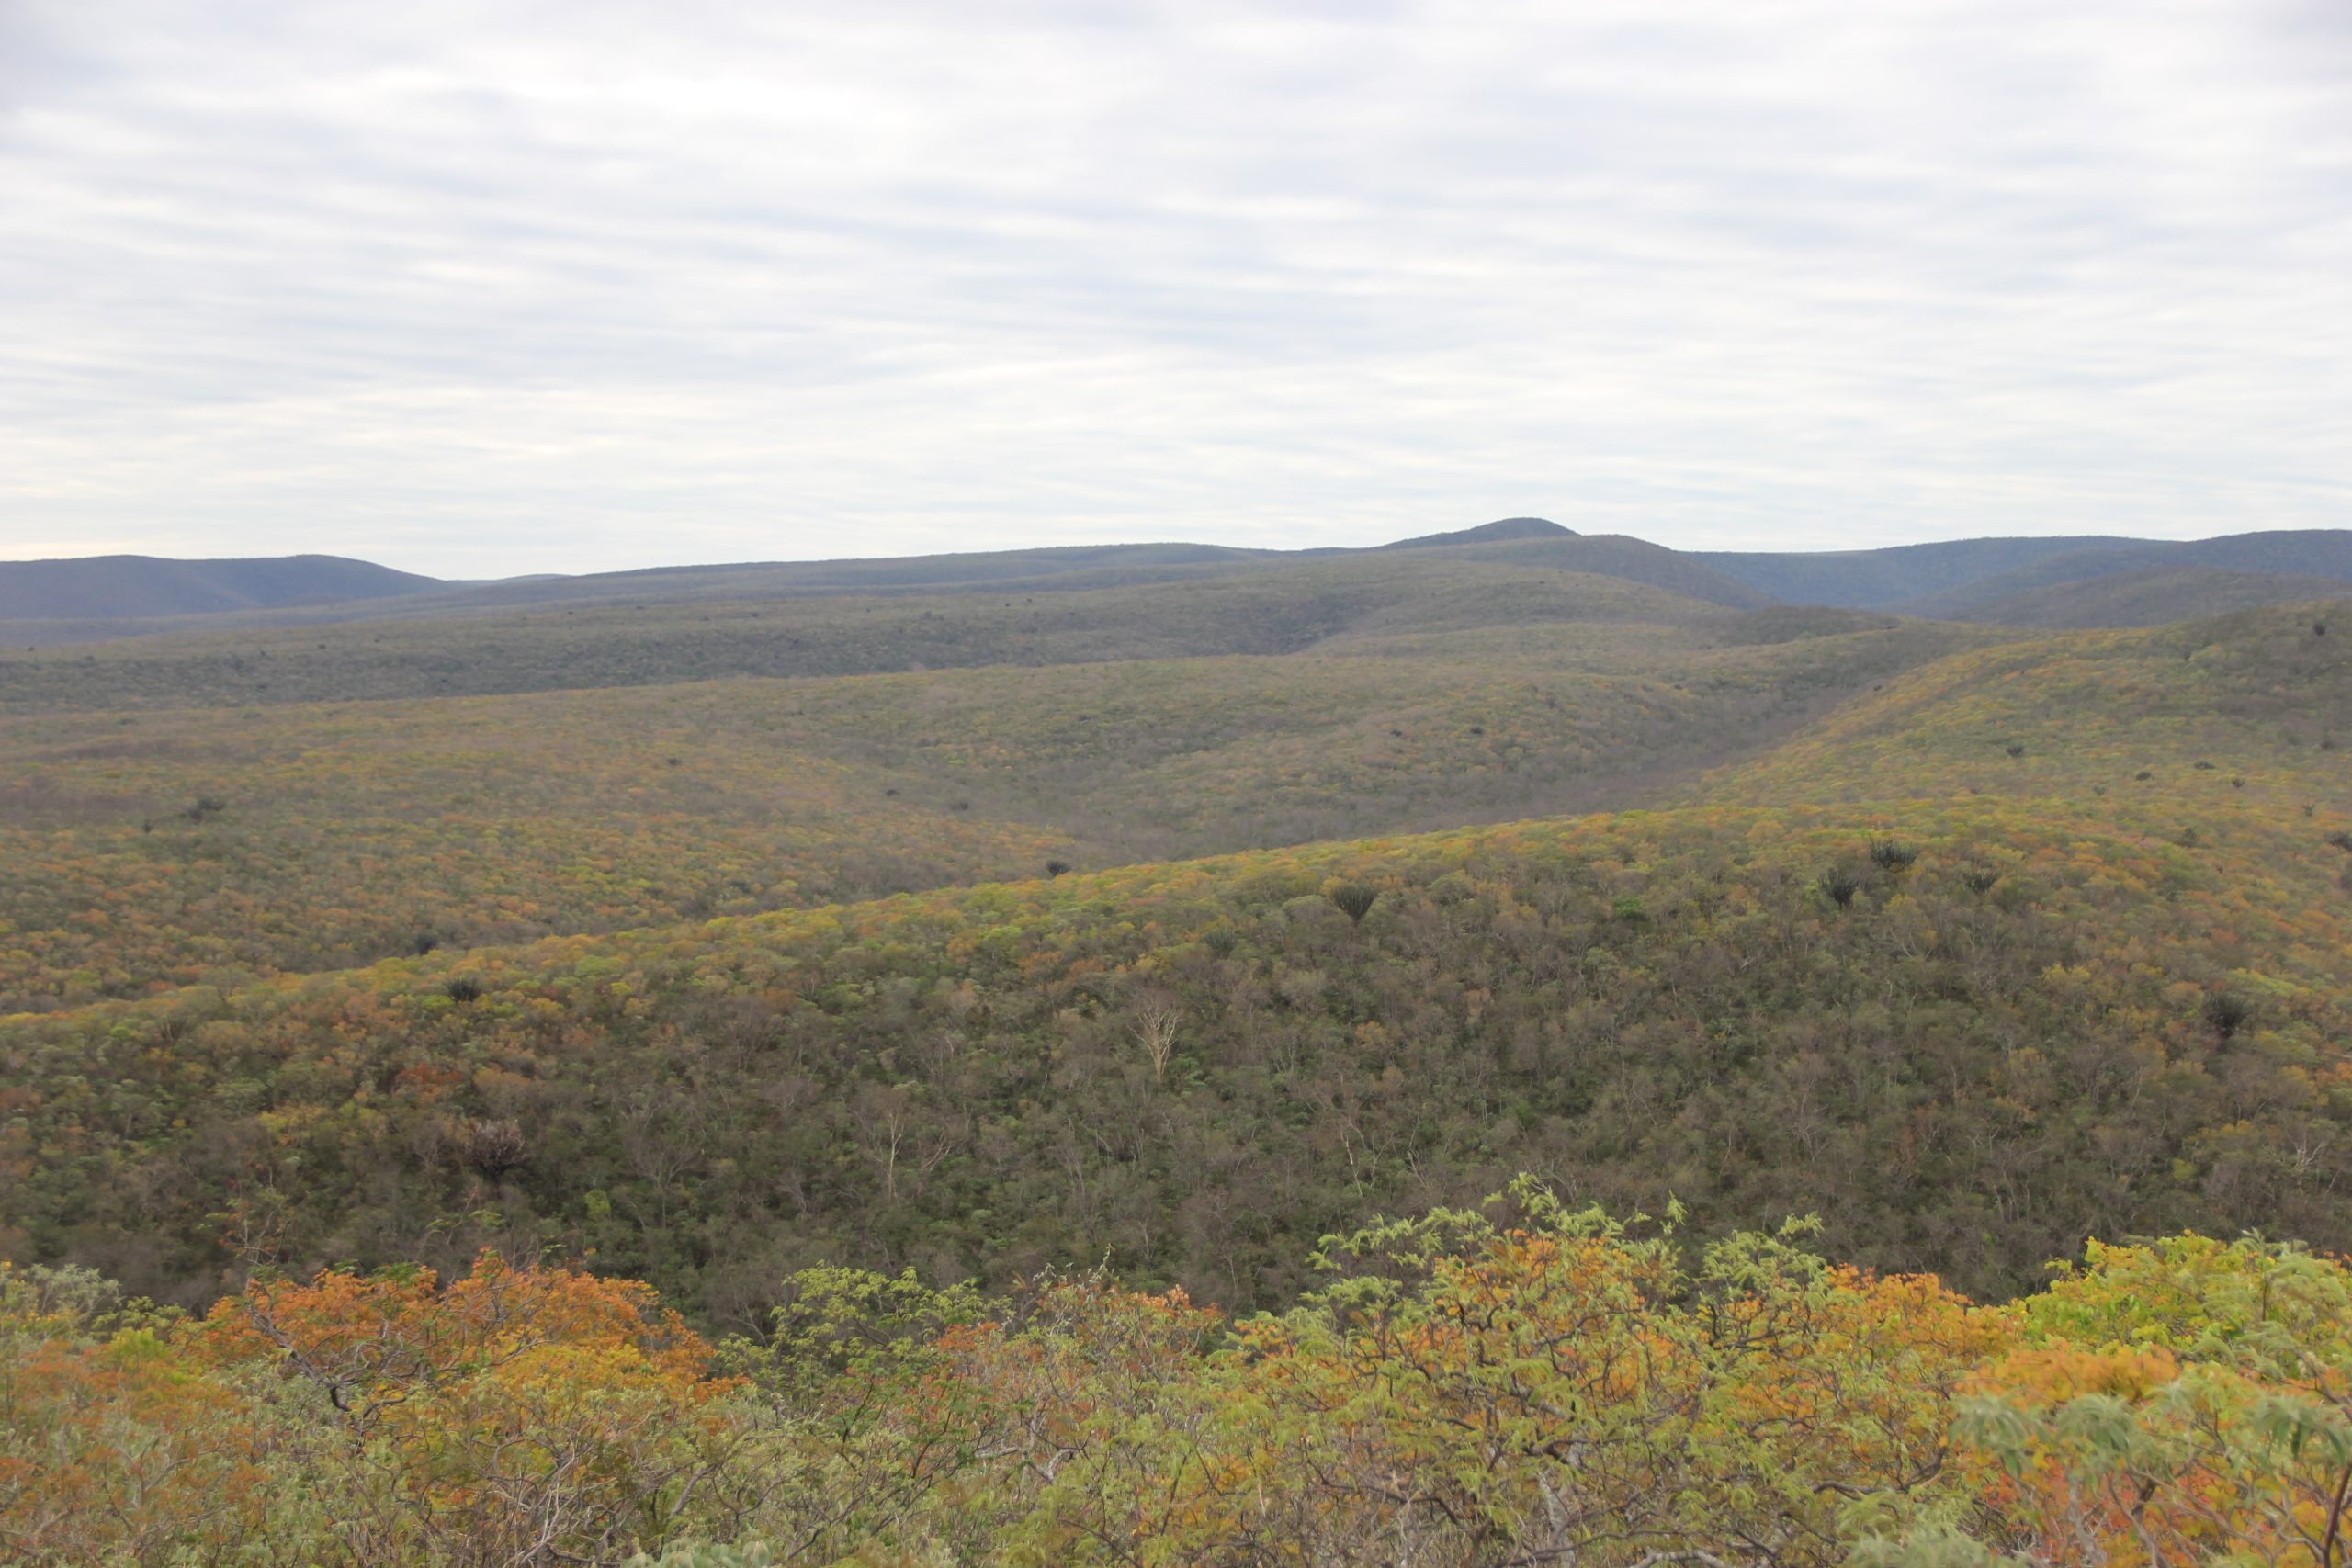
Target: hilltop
(1499,532)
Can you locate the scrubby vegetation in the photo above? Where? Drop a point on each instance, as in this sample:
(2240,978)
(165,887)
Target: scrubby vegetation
(1456,1389)
(944,1115)
(148,851)
(655,641)
(966,1081)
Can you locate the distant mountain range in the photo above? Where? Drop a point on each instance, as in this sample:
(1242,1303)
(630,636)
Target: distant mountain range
(2076,580)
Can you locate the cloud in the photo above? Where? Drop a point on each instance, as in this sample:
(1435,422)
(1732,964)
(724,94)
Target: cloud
(502,287)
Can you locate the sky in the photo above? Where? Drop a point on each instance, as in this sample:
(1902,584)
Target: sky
(478,288)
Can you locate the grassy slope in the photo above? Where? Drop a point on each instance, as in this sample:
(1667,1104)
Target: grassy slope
(2093,1002)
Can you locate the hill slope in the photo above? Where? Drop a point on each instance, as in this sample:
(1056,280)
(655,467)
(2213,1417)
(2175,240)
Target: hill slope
(140,851)
(1968,1003)
(1278,610)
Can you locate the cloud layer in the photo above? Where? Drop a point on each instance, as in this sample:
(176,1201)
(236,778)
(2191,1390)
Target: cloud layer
(496,286)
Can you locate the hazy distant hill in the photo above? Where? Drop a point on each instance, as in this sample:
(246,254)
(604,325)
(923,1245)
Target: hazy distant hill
(1984,579)
(47,604)
(1519,541)
(1870,580)
(149,585)
(2153,598)
(2314,552)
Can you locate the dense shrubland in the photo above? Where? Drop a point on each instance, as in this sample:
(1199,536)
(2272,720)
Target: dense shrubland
(1193,1070)
(1526,1385)
(2031,950)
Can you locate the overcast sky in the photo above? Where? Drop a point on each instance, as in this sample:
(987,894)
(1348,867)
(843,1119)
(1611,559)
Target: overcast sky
(475,288)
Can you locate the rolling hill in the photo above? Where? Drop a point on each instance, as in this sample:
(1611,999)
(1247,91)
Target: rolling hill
(2152,598)
(2046,937)
(2326,553)
(1076,568)
(1279,610)
(234,837)
(59,604)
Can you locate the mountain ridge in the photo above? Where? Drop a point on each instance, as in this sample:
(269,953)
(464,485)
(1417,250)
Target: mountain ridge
(2016,580)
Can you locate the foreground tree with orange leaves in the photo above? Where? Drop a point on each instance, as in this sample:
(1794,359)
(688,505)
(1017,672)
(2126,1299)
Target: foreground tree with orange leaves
(2184,1400)
(521,1415)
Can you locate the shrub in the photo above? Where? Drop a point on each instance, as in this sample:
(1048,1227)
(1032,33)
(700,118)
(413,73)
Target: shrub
(492,1149)
(2227,1014)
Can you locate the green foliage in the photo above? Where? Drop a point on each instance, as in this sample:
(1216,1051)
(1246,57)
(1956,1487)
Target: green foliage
(1889,854)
